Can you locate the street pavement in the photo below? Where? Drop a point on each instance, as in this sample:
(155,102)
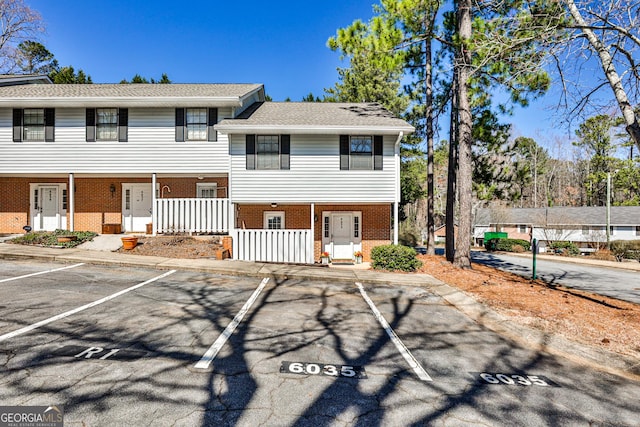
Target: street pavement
(100,253)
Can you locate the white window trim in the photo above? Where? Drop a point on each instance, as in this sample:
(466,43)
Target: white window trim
(272,214)
(206,185)
(186,124)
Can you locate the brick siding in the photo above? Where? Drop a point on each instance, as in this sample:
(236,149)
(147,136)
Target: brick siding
(93,201)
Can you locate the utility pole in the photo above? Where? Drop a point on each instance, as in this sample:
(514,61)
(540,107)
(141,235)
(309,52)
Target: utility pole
(608,210)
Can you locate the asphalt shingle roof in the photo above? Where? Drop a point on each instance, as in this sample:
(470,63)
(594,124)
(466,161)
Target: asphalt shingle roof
(308,115)
(127,90)
(587,215)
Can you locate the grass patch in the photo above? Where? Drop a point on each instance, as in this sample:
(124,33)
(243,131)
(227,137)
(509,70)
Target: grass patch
(50,238)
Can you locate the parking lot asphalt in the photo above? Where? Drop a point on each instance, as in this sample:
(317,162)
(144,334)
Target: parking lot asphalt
(601,359)
(145,346)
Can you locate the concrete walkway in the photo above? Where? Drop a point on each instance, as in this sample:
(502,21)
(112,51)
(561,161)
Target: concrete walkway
(100,253)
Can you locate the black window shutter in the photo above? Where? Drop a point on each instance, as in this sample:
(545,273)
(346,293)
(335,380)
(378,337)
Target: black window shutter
(123,124)
(377,152)
(180,124)
(17,125)
(212,135)
(49,124)
(285,151)
(251,152)
(344,152)
(91,125)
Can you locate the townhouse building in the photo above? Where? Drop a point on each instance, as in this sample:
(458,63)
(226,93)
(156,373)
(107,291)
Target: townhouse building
(286,180)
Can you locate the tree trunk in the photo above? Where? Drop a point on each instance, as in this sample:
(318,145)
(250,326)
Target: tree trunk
(462,257)
(606,61)
(428,83)
(449,245)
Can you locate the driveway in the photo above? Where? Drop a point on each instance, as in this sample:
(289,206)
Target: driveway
(134,346)
(613,282)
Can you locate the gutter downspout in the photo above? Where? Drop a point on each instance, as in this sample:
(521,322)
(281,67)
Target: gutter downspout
(396,154)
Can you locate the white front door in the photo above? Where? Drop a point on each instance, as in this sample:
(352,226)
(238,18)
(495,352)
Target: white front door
(341,235)
(49,208)
(136,206)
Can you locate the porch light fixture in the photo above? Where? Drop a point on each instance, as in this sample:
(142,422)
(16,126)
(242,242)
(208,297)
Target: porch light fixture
(274,205)
(201,178)
(112,189)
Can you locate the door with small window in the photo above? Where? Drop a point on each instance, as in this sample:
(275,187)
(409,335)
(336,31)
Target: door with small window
(136,207)
(48,205)
(342,234)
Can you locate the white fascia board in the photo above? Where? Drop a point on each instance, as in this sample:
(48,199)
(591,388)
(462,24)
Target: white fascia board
(116,101)
(248,95)
(313,130)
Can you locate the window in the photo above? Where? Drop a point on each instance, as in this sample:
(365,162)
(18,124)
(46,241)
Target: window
(207,191)
(106,124)
(522,228)
(611,228)
(356,226)
(325,227)
(268,152)
(274,220)
(196,124)
(33,124)
(637,230)
(360,152)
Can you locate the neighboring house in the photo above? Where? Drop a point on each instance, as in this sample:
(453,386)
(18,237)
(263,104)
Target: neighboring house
(440,233)
(286,180)
(584,226)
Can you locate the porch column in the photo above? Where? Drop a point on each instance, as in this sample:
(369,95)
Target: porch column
(71,200)
(396,155)
(313,234)
(154,223)
(395,223)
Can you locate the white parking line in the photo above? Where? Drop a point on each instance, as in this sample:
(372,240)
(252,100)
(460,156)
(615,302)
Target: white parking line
(41,272)
(211,354)
(404,351)
(79,309)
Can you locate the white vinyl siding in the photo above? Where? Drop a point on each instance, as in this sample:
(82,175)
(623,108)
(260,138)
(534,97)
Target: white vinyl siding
(314,175)
(151,147)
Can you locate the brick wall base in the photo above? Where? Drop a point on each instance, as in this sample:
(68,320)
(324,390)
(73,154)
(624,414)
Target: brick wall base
(95,203)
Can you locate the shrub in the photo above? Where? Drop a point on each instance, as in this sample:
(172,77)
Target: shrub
(394,257)
(50,238)
(517,249)
(625,249)
(508,244)
(565,248)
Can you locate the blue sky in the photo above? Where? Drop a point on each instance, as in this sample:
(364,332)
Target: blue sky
(279,43)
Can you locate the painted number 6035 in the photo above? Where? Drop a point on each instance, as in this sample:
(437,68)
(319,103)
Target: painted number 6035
(304,368)
(516,379)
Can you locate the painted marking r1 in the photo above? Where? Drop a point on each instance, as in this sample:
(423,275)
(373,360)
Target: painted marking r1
(92,351)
